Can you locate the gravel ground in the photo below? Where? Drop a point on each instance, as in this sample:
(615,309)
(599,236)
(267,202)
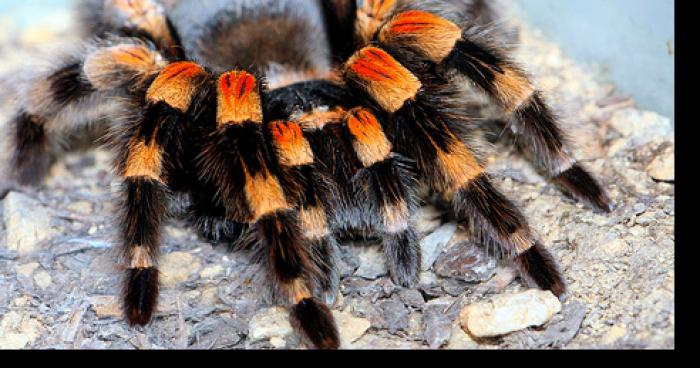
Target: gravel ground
(620,267)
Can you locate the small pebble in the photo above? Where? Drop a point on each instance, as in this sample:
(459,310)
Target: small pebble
(269,323)
(508,313)
(27,223)
(372,262)
(614,334)
(81,207)
(351,328)
(42,279)
(26,269)
(438,327)
(177,267)
(211,272)
(395,315)
(412,297)
(639,208)
(433,244)
(466,261)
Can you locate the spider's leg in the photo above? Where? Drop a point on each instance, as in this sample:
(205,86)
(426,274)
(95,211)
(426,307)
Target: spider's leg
(340,26)
(494,219)
(290,263)
(312,192)
(143,210)
(387,183)
(238,160)
(376,186)
(326,254)
(39,120)
(148,148)
(318,106)
(145,19)
(483,12)
(424,131)
(70,96)
(369,17)
(474,56)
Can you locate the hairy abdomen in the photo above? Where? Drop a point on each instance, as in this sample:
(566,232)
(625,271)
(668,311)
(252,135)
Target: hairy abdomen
(279,34)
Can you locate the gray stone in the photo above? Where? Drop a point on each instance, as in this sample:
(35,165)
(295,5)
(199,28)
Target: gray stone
(350,328)
(641,127)
(467,262)
(269,323)
(72,326)
(216,334)
(365,308)
(438,326)
(645,219)
(371,342)
(412,297)
(639,208)
(27,223)
(176,267)
(369,289)
(433,244)
(348,262)
(395,315)
(10,255)
(456,287)
(372,262)
(564,326)
(17,330)
(504,276)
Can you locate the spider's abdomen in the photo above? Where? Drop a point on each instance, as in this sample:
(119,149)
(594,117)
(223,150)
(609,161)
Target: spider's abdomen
(287,34)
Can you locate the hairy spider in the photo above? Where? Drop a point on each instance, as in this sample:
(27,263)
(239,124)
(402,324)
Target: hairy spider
(288,123)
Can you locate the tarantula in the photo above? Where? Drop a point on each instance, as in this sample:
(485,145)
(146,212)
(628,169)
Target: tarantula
(289,123)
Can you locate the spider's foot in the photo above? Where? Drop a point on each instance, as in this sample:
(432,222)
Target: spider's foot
(407,277)
(218,230)
(538,268)
(403,257)
(326,278)
(140,295)
(30,158)
(315,320)
(582,186)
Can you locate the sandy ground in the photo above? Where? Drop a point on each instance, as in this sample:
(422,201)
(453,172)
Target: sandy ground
(620,267)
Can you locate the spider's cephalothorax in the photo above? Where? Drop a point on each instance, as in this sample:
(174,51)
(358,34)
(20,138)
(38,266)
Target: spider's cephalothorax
(290,122)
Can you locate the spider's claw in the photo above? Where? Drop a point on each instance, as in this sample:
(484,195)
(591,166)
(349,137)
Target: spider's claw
(584,187)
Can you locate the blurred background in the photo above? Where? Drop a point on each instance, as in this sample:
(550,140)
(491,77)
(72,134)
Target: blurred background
(629,42)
